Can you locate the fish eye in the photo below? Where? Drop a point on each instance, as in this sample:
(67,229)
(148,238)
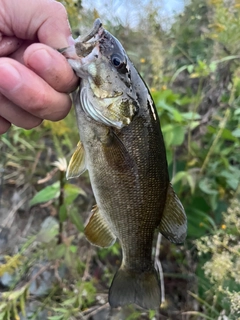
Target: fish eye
(117,61)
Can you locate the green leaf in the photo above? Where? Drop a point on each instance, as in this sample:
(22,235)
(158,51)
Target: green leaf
(76,220)
(179,71)
(232,179)
(177,115)
(185,177)
(178,135)
(165,100)
(191,182)
(190,68)
(152,314)
(3,306)
(169,154)
(22,304)
(233,57)
(69,302)
(56,317)
(46,194)
(179,176)
(237,112)
(73,248)
(191,115)
(205,186)
(167,131)
(226,133)
(198,223)
(236,133)
(71,192)
(25,143)
(14,295)
(194,124)
(213,66)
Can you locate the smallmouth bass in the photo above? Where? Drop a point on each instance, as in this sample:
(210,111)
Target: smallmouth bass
(123,150)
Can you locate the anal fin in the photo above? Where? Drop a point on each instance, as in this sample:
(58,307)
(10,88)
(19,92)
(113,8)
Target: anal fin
(97,230)
(77,164)
(173,223)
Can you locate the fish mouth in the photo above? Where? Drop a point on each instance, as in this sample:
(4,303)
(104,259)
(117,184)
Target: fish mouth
(86,47)
(97,27)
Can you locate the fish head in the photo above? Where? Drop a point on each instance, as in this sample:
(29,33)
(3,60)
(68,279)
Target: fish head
(107,94)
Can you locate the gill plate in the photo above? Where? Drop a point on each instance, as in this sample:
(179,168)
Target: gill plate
(95,113)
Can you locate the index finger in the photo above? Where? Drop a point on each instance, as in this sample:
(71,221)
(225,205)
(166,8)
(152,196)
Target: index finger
(27,90)
(51,66)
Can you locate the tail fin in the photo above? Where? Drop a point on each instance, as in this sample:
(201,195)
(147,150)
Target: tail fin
(129,286)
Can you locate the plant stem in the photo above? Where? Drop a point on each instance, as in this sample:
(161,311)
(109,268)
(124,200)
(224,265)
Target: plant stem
(60,203)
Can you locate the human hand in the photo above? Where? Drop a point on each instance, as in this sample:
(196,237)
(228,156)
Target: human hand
(35,79)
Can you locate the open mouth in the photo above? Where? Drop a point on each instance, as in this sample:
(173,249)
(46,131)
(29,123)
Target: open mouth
(85,50)
(94,32)
(87,44)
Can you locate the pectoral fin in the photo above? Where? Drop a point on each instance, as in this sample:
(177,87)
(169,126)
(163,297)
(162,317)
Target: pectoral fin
(117,155)
(173,224)
(97,230)
(77,164)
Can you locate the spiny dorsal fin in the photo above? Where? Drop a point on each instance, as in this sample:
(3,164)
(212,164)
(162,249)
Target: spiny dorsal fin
(97,230)
(77,164)
(173,224)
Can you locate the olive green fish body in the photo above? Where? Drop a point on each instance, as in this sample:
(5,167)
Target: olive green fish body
(128,173)
(129,176)
(123,150)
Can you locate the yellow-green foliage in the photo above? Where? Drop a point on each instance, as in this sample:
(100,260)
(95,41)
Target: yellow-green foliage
(58,128)
(12,302)
(225,33)
(11,264)
(72,7)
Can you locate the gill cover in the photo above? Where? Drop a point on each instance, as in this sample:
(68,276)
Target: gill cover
(95,113)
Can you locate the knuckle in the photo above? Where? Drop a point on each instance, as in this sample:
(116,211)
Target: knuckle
(38,104)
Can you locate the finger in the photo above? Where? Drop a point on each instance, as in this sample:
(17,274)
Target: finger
(19,53)
(9,45)
(4,125)
(27,90)
(15,115)
(50,65)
